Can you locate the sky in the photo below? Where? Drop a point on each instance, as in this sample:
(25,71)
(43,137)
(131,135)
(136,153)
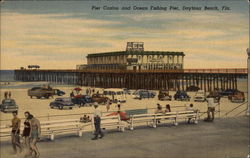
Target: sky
(60,34)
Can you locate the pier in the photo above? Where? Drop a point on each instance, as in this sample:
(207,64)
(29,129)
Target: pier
(206,79)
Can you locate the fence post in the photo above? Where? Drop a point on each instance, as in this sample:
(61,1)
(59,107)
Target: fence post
(219,109)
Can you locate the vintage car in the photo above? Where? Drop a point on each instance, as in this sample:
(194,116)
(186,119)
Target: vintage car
(164,95)
(82,100)
(192,89)
(181,96)
(142,93)
(127,91)
(41,92)
(237,97)
(99,98)
(216,95)
(228,92)
(115,94)
(8,105)
(62,103)
(200,96)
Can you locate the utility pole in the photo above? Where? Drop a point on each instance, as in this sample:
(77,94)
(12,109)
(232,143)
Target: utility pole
(248,82)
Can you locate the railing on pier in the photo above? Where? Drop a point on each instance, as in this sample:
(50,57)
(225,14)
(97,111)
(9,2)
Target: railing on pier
(237,107)
(216,71)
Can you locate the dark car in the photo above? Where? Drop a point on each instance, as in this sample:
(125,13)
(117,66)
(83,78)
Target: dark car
(59,92)
(139,94)
(228,92)
(44,92)
(62,103)
(82,100)
(126,91)
(216,95)
(100,98)
(192,89)
(164,95)
(8,105)
(237,97)
(181,95)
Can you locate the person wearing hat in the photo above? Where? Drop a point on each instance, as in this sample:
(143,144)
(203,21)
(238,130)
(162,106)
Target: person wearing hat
(97,122)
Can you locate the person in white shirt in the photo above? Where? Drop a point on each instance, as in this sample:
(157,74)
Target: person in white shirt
(210,108)
(97,122)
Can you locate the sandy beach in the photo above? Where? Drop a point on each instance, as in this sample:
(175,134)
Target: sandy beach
(40,107)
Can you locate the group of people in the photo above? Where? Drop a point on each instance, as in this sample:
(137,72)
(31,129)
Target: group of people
(7,95)
(31,134)
(168,109)
(90,91)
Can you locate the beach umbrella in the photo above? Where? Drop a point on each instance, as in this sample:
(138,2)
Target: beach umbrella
(77,89)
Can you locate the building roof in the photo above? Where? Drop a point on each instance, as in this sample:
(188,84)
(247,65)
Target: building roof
(135,53)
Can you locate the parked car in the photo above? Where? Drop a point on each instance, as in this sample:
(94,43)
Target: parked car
(8,105)
(200,96)
(192,89)
(99,98)
(216,95)
(228,92)
(41,92)
(59,92)
(115,94)
(182,96)
(237,97)
(62,103)
(127,91)
(164,95)
(142,93)
(82,100)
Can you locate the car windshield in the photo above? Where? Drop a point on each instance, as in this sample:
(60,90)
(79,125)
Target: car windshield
(8,102)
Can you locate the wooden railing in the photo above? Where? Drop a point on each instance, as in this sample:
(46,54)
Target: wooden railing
(220,71)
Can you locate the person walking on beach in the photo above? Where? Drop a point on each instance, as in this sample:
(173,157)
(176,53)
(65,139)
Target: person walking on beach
(87,91)
(5,95)
(108,105)
(26,130)
(210,108)
(118,107)
(190,108)
(9,94)
(35,133)
(168,109)
(15,131)
(97,122)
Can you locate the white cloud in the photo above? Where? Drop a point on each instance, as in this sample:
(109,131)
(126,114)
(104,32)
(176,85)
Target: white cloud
(50,39)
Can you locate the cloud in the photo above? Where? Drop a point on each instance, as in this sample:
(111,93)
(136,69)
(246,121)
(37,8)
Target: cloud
(63,40)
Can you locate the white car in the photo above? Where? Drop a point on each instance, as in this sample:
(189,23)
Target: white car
(200,96)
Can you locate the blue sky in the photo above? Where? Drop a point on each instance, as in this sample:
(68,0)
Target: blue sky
(59,34)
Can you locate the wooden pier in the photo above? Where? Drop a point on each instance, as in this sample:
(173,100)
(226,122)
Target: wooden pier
(206,79)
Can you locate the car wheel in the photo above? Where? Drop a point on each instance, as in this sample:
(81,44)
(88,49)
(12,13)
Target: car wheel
(31,97)
(60,107)
(38,97)
(71,108)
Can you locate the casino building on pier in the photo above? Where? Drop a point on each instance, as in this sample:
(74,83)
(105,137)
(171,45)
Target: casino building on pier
(134,58)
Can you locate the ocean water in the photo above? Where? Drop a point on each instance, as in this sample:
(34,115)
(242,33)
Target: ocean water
(7,75)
